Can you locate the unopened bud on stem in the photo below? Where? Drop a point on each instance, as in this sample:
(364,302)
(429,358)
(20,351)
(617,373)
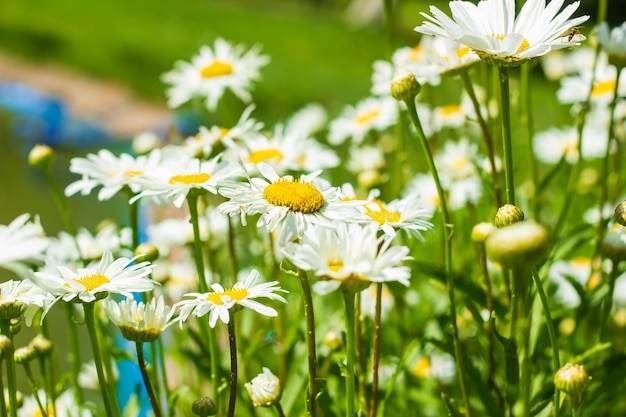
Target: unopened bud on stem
(405,87)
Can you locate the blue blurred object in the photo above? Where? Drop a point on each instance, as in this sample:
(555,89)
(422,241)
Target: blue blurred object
(130,382)
(42,118)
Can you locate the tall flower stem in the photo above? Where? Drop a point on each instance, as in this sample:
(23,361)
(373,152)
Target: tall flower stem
(376,353)
(232,339)
(97,357)
(3,405)
(447,230)
(556,362)
(34,388)
(74,352)
(527,119)
(348,298)
(5,326)
(607,305)
(469,88)
(141,360)
(310,339)
(133,219)
(505,114)
(279,409)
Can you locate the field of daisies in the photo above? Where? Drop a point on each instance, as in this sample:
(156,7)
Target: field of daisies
(395,258)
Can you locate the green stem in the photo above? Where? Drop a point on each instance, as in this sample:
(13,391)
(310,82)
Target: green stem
(133,219)
(141,360)
(5,326)
(607,305)
(469,88)
(74,353)
(310,339)
(34,388)
(556,362)
(447,230)
(279,409)
(163,371)
(505,114)
(233,366)
(526,117)
(348,298)
(376,353)
(360,358)
(3,405)
(93,337)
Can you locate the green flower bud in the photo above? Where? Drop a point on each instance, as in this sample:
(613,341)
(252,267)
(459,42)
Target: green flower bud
(147,252)
(264,389)
(507,215)
(481,232)
(620,213)
(204,407)
(614,243)
(5,345)
(521,244)
(41,156)
(572,379)
(405,87)
(42,345)
(24,354)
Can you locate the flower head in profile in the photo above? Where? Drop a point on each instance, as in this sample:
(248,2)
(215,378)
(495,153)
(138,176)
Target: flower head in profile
(96,281)
(218,302)
(22,297)
(213,71)
(289,204)
(351,256)
(138,321)
(264,389)
(493,31)
(404,214)
(22,244)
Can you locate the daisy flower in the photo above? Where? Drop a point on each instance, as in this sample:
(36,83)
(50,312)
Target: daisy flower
(110,172)
(19,298)
(96,281)
(493,31)
(145,142)
(424,187)
(212,72)
(288,204)
(218,302)
(404,213)
(175,178)
(371,114)
(459,176)
(63,248)
(552,145)
(351,255)
(140,322)
(22,243)
(368,163)
(65,405)
(308,120)
(613,42)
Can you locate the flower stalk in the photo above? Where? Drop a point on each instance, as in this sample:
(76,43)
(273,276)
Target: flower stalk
(5,327)
(348,297)
(507,147)
(232,339)
(310,338)
(141,360)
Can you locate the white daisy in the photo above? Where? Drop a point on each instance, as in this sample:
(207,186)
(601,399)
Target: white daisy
(22,297)
(371,114)
(551,145)
(22,244)
(145,142)
(613,42)
(352,255)
(425,188)
(109,171)
(96,281)
(291,205)
(264,389)
(63,248)
(309,120)
(493,31)
(65,405)
(368,301)
(138,321)
(405,214)
(212,72)
(175,178)
(368,163)
(218,302)
(459,176)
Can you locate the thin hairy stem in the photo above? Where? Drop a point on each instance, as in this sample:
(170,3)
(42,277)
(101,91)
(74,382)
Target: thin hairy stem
(507,147)
(232,339)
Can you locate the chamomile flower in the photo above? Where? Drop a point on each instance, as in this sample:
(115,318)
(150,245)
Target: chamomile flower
(65,247)
(309,120)
(65,405)
(493,31)
(371,114)
(97,280)
(613,42)
(175,178)
(212,72)
(405,214)
(367,162)
(554,144)
(22,297)
(351,255)
(288,204)
(218,302)
(22,244)
(424,187)
(138,321)
(459,176)
(110,172)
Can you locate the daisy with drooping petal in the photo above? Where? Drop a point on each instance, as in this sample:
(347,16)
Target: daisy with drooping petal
(212,72)
(22,243)
(218,302)
(371,114)
(109,171)
(138,321)
(175,178)
(96,281)
(405,214)
(289,204)
(493,31)
(350,255)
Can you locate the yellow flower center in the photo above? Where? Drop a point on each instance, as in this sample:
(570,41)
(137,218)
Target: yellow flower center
(232,293)
(296,195)
(569,147)
(460,163)
(461,52)
(223,131)
(264,154)
(93,281)
(416,53)
(132,173)
(335,265)
(216,69)
(198,178)
(603,87)
(382,215)
(450,109)
(367,117)
(525,44)
(422,368)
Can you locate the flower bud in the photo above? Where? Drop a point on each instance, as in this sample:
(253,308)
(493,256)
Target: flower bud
(41,156)
(405,87)
(147,252)
(614,243)
(144,142)
(24,354)
(620,213)
(5,345)
(204,407)
(481,232)
(521,244)
(507,215)
(572,379)
(264,389)
(42,345)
